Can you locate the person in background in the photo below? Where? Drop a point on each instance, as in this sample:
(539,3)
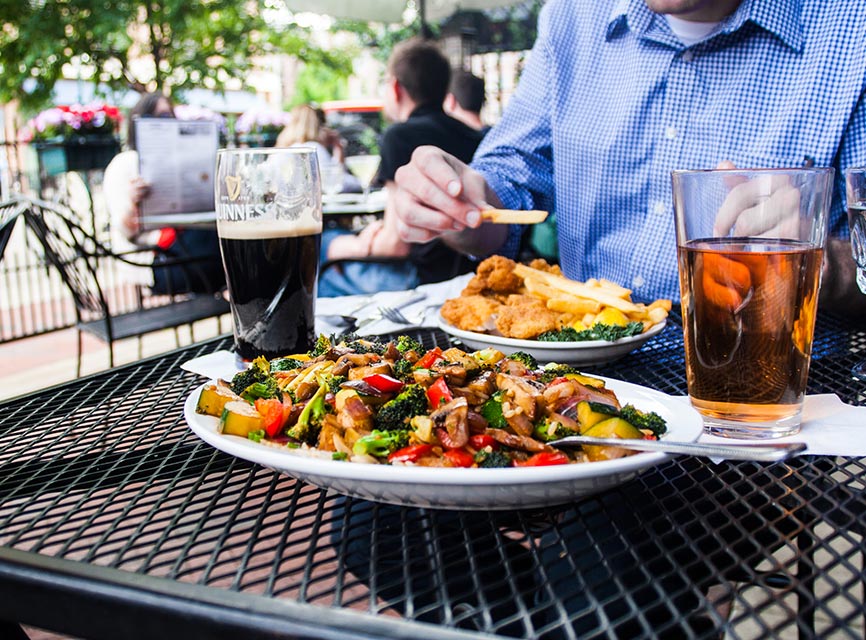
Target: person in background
(465,100)
(613,99)
(306,129)
(416,83)
(124,191)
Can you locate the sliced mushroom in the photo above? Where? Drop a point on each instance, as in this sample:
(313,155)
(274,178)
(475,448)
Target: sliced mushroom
(451,423)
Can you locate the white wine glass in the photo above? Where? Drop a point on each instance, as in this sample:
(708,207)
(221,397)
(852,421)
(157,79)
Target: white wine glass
(332,178)
(855,192)
(364,167)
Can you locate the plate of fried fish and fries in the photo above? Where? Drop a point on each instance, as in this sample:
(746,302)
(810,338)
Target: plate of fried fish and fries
(534,308)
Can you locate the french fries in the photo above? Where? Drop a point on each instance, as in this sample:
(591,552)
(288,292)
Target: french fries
(513,216)
(585,301)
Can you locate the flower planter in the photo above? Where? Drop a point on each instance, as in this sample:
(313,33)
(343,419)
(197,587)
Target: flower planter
(257,139)
(79,153)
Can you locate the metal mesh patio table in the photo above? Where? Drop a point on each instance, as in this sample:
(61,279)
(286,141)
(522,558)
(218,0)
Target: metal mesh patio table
(116,521)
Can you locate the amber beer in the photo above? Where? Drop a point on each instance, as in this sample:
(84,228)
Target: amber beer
(748,319)
(271,269)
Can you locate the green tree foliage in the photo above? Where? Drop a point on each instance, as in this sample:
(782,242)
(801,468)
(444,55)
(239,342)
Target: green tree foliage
(317,83)
(382,38)
(203,43)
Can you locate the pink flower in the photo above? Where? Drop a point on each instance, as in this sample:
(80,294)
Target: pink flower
(62,121)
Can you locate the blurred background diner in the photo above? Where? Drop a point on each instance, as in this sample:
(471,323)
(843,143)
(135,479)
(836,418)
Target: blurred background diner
(465,100)
(307,128)
(415,87)
(124,190)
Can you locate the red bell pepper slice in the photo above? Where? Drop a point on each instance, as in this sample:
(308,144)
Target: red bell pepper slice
(412,453)
(438,393)
(384,383)
(481,440)
(271,411)
(459,457)
(545,459)
(429,359)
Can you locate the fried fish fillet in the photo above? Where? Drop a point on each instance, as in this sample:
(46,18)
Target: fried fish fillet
(525,319)
(470,312)
(495,275)
(543,265)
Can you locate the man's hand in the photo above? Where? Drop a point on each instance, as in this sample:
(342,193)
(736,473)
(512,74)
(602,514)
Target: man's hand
(437,195)
(767,205)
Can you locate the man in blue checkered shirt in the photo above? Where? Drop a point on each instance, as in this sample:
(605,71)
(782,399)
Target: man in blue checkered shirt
(617,94)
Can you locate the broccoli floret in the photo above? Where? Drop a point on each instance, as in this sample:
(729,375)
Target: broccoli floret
(525,358)
(555,370)
(492,459)
(285,364)
(405,343)
(333,383)
(609,332)
(548,430)
(322,346)
(267,388)
(403,370)
(396,414)
(381,443)
(492,411)
(364,345)
(649,420)
(309,423)
(258,371)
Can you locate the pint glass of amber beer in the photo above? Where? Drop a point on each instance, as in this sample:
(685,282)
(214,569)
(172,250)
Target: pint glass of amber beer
(750,245)
(269,221)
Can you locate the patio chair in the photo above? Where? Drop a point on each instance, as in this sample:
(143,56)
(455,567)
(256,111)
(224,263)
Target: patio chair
(9,212)
(80,258)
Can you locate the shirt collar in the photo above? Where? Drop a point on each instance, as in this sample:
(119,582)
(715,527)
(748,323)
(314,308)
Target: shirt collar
(424,109)
(779,17)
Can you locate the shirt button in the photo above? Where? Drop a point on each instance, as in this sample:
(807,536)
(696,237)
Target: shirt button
(659,208)
(670,133)
(637,282)
(687,56)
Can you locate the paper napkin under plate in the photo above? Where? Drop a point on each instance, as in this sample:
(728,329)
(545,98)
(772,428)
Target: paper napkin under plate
(829,428)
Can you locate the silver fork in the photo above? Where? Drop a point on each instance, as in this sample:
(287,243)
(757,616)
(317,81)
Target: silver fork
(398,317)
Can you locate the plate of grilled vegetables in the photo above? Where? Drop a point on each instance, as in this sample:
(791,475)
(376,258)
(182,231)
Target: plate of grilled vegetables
(395,422)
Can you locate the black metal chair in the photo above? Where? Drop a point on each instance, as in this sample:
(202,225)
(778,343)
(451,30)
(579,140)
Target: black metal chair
(81,260)
(9,212)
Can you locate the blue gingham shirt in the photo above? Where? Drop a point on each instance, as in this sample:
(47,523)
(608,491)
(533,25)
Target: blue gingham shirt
(611,101)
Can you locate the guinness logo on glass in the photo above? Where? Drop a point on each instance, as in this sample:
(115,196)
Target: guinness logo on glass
(233,185)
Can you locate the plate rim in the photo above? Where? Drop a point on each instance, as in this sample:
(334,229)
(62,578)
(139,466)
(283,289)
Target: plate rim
(303,466)
(517,343)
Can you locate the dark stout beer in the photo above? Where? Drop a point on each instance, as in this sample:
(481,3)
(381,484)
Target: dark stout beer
(271,270)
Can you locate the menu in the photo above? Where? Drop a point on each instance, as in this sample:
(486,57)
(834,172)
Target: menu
(177,158)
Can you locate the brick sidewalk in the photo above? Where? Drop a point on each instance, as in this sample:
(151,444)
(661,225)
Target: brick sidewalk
(43,361)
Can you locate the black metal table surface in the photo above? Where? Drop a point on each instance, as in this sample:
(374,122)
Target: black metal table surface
(117,522)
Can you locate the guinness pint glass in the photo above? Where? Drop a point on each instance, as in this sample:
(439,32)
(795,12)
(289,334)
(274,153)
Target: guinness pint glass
(269,221)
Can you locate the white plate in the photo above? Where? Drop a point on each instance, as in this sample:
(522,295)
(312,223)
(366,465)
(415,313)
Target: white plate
(584,353)
(448,488)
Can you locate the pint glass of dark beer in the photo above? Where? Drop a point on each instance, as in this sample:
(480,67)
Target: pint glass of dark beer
(269,221)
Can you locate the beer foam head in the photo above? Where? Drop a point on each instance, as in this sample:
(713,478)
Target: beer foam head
(262,229)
